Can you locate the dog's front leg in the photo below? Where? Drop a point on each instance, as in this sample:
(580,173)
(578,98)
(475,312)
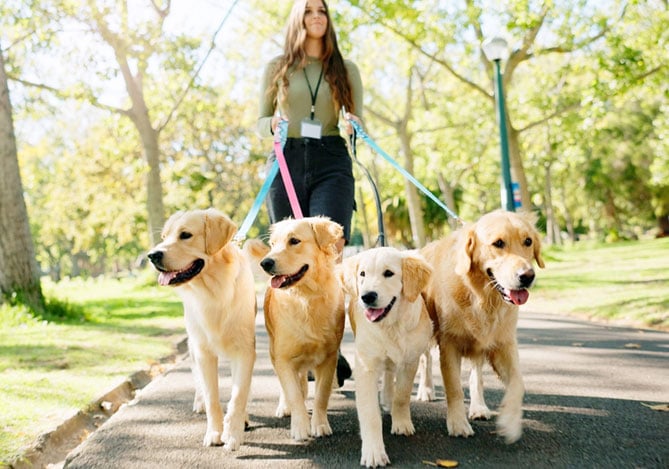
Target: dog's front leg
(369,414)
(477,406)
(205,365)
(324,375)
(401,413)
(506,363)
(294,399)
(456,416)
(235,416)
(387,390)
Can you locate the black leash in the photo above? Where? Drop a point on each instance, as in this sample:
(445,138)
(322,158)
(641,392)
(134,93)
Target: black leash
(381,240)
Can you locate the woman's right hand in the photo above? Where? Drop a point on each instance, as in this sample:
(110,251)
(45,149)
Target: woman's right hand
(274,123)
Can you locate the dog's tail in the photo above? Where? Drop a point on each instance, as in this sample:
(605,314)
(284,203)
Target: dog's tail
(255,250)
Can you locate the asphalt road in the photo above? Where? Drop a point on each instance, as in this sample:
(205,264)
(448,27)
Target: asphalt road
(588,387)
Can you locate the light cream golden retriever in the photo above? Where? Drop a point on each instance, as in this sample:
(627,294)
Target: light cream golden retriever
(392,329)
(214,280)
(481,274)
(304,316)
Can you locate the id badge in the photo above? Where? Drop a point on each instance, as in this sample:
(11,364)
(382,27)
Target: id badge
(311,128)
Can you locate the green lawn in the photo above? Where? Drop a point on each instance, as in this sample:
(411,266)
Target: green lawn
(50,369)
(625,283)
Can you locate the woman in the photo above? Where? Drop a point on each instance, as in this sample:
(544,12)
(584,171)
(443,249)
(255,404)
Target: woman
(308,86)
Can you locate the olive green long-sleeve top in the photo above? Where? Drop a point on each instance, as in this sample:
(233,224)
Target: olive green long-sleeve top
(298,104)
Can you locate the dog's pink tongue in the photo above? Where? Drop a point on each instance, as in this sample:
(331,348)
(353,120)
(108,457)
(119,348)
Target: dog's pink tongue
(372,314)
(165,277)
(519,297)
(277,281)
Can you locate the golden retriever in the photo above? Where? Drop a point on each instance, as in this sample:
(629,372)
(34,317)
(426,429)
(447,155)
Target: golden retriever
(304,316)
(214,280)
(392,330)
(481,274)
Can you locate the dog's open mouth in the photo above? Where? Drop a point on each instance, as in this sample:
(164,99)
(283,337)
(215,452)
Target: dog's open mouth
(176,277)
(376,314)
(283,281)
(516,297)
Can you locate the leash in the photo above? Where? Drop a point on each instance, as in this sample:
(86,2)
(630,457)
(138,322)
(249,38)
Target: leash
(279,141)
(358,129)
(281,136)
(381,239)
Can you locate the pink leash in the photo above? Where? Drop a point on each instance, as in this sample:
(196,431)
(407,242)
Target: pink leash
(282,131)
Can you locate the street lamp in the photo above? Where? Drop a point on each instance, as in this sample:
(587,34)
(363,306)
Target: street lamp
(496,50)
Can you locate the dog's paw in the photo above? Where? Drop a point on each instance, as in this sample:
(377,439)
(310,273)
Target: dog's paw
(374,457)
(320,426)
(479,412)
(402,427)
(459,427)
(212,438)
(299,428)
(509,426)
(424,394)
(282,411)
(198,405)
(232,444)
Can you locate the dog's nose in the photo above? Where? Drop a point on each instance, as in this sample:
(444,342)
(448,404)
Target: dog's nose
(267,264)
(369,298)
(155,256)
(526,278)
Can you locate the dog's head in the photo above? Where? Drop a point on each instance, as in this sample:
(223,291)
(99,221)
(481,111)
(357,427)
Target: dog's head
(382,278)
(301,248)
(501,246)
(189,240)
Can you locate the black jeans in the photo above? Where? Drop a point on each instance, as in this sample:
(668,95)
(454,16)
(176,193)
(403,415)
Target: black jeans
(322,173)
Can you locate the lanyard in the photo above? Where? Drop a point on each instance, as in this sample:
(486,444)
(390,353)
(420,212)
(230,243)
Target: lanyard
(312,93)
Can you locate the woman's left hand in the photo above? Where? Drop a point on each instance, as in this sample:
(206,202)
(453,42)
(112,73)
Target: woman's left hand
(347,125)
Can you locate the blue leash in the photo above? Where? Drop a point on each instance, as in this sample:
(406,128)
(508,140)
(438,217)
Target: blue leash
(260,198)
(359,130)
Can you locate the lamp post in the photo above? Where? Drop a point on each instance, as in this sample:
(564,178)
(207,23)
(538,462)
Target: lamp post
(496,49)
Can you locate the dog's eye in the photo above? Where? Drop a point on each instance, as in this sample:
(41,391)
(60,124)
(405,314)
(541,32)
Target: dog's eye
(293,241)
(528,242)
(388,273)
(185,235)
(499,243)
(362,273)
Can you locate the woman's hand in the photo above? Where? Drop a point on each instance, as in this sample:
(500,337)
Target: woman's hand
(274,123)
(347,125)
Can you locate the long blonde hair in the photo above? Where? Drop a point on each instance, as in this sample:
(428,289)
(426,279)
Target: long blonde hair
(294,54)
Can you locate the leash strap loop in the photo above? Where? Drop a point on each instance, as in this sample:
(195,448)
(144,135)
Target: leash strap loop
(279,141)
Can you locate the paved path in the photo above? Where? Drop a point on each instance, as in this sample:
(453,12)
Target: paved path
(587,386)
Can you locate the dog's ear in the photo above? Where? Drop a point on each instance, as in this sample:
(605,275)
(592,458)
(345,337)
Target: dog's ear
(416,274)
(218,230)
(537,251)
(465,251)
(348,275)
(326,232)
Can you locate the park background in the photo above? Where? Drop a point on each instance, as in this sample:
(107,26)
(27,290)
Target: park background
(123,112)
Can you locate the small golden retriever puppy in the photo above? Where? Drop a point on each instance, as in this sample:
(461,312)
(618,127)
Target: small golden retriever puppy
(392,330)
(481,274)
(304,316)
(214,281)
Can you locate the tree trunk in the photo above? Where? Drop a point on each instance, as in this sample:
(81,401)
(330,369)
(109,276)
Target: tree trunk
(517,170)
(448,197)
(413,200)
(19,273)
(552,228)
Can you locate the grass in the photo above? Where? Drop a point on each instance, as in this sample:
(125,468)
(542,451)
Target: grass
(623,283)
(105,330)
(51,368)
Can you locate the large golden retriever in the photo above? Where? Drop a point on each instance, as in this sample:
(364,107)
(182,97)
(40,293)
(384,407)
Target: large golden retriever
(392,329)
(214,280)
(481,274)
(304,316)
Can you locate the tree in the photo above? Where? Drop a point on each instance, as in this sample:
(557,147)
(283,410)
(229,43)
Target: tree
(19,274)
